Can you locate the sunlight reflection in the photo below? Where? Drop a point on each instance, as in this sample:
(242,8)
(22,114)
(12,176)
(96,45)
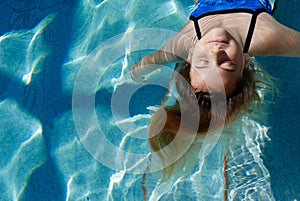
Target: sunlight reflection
(114,179)
(119,81)
(23,142)
(32,60)
(166,9)
(69,183)
(24,51)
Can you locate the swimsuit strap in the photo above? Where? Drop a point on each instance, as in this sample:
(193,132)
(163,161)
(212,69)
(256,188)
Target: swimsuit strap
(251,29)
(197,28)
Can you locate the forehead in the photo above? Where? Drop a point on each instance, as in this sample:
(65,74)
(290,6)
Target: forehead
(215,82)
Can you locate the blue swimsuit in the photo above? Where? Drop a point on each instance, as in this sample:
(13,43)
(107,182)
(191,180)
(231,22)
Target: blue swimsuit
(211,7)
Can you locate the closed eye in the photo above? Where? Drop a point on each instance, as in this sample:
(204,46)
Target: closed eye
(227,70)
(228,66)
(202,63)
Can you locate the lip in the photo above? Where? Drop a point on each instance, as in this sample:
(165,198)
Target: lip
(218,41)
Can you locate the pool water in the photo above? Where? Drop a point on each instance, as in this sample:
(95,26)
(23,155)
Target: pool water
(64,81)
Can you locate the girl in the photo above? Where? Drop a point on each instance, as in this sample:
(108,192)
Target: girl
(221,37)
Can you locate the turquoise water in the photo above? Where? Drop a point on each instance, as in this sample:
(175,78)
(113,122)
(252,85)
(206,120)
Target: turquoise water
(50,148)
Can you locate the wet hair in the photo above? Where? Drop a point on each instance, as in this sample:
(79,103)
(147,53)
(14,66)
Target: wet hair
(247,91)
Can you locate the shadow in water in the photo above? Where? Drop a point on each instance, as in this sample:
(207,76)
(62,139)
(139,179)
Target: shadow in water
(43,98)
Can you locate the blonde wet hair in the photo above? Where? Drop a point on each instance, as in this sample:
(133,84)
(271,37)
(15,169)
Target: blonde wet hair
(246,98)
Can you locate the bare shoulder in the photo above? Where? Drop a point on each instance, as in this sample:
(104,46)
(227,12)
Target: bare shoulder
(273,38)
(189,30)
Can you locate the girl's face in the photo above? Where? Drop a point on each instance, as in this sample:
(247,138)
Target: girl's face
(217,63)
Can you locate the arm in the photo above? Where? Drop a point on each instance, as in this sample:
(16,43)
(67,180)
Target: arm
(275,39)
(151,63)
(176,50)
(288,43)
(293,44)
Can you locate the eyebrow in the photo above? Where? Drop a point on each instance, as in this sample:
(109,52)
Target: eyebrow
(202,94)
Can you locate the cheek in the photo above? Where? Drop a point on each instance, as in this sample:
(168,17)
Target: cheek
(237,56)
(235,50)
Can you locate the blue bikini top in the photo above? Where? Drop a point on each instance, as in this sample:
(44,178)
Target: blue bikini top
(212,7)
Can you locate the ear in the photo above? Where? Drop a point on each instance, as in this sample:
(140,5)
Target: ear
(246,60)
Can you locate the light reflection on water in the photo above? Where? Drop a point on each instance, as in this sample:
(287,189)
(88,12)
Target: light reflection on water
(23,147)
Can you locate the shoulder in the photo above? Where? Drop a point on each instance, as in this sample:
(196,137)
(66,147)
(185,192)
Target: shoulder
(271,37)
(184,41)
(188,31)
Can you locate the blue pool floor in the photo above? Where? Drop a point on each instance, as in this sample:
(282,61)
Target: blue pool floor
(44,104)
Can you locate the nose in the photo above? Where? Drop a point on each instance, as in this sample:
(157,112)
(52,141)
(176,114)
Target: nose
(217,53)
(216,48)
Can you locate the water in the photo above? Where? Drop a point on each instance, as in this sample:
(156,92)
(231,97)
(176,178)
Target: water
(43,46)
